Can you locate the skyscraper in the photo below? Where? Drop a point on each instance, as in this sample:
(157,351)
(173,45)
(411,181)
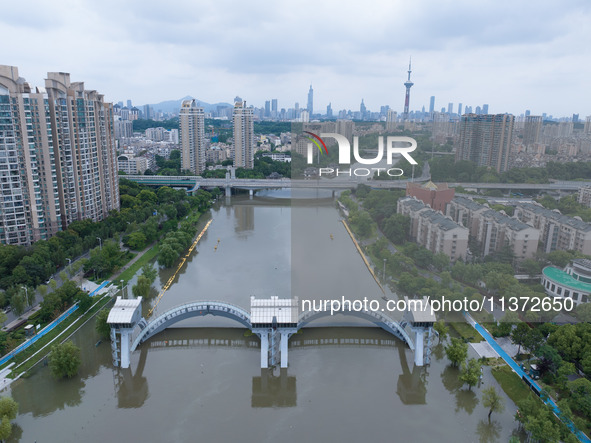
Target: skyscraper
(459,109)
(310,101)
(408,84)
(485,108)
(267,108)
(362,109)
(531,129)
(192,135)
(274,108)
(57,156)
(243,146)
(432,104)
(486,140)
(450,108)
(329,111)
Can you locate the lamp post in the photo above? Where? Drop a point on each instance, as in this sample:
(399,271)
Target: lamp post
(122,294)
(384,273)
(100,243)
(69,265)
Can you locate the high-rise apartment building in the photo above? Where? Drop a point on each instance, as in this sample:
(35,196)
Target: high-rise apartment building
(531,129)
(57,156)
(244,146)
(486,139)
(391,120)
(310,101)
(192,137)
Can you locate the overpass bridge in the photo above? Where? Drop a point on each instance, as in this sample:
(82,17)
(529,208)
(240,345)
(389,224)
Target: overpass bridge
(194,182)
(273,320)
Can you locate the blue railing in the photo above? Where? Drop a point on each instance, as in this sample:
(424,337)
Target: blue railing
(20,348)
(513,364)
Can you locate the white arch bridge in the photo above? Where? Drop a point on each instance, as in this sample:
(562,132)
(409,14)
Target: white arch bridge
(273,320)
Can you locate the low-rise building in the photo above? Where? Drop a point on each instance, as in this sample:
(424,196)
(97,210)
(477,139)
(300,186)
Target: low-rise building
(494,230)
(573,282)
(497,230)
(466,212)
(132,165)
(558,231)
(433,230)
(278,156)
(584,196)
(436,196)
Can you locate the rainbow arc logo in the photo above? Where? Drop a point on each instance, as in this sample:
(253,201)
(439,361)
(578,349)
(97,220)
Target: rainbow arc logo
(316,142)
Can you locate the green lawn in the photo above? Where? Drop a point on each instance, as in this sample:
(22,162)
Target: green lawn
(466,331)
(511,383)
(130,272)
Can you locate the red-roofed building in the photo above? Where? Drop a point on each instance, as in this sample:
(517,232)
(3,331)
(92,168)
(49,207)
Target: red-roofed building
(436,196)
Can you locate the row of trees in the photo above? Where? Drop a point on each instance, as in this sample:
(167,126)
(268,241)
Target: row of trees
(558,351)
(446,169)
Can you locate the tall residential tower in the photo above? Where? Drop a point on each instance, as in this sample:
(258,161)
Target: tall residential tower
(485,139)
(57,156)
(192,137)
(244,146)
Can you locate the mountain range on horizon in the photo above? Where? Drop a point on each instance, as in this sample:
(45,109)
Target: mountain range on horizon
(173,106)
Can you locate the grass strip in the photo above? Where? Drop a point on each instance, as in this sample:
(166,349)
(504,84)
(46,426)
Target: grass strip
(511,383)
(131,271)
(21,358)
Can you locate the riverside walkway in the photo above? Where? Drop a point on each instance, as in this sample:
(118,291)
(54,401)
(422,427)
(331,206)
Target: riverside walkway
(513,364)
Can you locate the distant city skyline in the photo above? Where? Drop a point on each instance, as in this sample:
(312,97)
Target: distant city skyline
(526,56)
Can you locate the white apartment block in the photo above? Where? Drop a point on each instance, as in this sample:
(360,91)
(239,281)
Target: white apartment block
(494,230)
(132,165)
(558,231)
(584,196)
(433,230)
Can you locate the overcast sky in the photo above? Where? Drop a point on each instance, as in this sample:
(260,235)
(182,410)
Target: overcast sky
(513,55)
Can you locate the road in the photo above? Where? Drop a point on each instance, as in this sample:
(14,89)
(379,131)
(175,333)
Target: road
(10,316)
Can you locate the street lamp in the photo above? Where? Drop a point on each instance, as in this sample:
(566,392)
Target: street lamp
(69,265)
(384,273)
(122,295)
(100,243)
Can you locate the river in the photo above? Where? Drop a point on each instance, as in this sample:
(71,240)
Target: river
(346,384)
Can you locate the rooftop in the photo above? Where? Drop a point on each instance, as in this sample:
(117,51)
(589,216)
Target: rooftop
(123,310)
(582,262)
(502,219)
(470,204)
(555,215)
(564,279)
(263,310)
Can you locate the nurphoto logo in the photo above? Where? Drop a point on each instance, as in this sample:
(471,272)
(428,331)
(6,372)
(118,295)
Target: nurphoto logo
(394,145)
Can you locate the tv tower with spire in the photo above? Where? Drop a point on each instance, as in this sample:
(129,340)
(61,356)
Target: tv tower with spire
(408,84)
